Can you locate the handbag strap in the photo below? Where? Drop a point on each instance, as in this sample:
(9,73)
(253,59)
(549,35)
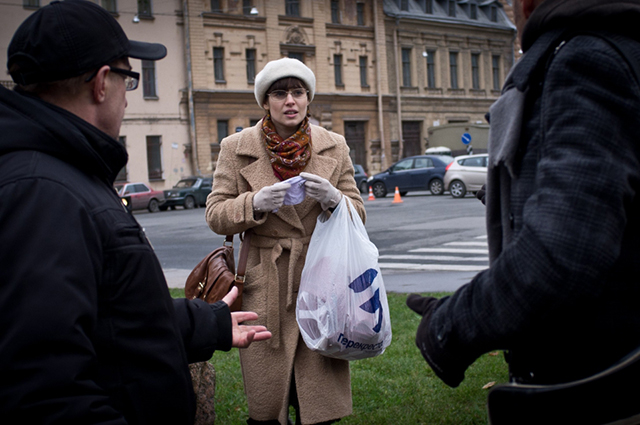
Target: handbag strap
(244,254)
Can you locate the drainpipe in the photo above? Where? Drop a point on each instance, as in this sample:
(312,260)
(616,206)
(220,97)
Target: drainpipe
(383,145)
(398,96)
(195,163)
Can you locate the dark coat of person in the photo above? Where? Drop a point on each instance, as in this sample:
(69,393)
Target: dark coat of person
(563,207)
(88,330)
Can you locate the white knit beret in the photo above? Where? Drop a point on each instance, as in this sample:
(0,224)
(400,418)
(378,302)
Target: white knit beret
(283,68)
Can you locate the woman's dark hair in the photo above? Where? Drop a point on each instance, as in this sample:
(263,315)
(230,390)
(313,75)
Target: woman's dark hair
(286,84)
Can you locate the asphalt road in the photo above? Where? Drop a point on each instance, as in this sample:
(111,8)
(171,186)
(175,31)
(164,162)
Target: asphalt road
(426,243)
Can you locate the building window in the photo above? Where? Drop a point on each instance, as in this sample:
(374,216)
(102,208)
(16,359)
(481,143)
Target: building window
(109,5)
(149,79)
(495,69)
(404,5)
(218,64)
(335,11)
(246,7)
(337,68)
(144,8)
(251,65)
(475,71)
(296,55)
(360,13)
(428,6)
(431,69)
(452,8)
(122,174)
(493,14)
(406,67)
(453,69)
(363,71)
(223,129)
(154,157)
(31,3)
(292,7)
(473,11)
(215,6)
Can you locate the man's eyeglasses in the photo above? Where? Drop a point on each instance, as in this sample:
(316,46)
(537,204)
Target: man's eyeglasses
(281,95)
(131,78)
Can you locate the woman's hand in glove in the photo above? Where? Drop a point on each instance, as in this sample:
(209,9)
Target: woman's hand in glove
(321,190)
(270,198)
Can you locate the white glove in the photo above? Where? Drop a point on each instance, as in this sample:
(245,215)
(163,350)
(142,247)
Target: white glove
(270,198)
(321,190)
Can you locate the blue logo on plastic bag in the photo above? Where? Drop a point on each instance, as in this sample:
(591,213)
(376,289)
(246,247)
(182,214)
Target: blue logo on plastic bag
(362,282)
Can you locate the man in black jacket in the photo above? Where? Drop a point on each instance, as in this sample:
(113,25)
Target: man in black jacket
(88,331)
(563,202)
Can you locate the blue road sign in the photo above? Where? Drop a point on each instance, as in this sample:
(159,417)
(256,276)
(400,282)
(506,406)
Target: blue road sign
(466,138)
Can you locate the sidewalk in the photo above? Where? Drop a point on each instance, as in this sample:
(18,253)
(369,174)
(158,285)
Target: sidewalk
(394,282)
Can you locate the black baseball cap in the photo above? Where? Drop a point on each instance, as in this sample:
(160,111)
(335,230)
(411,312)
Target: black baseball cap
(68,38)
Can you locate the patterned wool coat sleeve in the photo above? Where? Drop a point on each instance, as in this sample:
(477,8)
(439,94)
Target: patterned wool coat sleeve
(559,290)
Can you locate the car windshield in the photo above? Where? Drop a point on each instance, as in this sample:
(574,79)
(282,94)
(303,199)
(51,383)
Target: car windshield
(184,183)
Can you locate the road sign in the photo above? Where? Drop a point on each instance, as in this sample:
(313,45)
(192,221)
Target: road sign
(466,138)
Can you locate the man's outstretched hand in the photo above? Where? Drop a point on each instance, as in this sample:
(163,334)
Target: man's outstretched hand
(244,335)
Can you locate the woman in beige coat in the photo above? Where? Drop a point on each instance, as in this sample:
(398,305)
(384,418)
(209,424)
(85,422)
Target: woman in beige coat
(248,193)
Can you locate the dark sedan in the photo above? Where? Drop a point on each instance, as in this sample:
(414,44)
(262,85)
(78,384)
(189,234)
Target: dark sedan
(422,172)
(190,192)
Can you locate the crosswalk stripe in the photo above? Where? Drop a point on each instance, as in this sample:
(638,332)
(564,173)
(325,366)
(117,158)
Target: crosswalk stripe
(432,267)
(432,258)
(467,244)
(450,250)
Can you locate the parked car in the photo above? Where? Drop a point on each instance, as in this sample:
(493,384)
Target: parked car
(138,196)
(422,172)
(361,178)
(466,173)
(190,192)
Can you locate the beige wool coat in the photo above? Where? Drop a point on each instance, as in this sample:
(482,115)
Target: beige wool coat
(274,266)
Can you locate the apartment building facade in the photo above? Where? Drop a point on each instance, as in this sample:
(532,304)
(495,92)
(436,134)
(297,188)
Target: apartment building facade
(386,70)
(155,129)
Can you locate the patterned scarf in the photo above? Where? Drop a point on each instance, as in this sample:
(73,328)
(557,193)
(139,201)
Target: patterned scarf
(288,157)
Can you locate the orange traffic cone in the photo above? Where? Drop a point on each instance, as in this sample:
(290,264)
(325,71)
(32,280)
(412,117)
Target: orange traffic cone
(396,198)
(371,197)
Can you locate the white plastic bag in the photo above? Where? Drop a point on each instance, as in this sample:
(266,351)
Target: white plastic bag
(342,308)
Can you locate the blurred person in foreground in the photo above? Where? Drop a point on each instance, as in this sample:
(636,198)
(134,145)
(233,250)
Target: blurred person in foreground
(88,330)
(248,193)
(563,206)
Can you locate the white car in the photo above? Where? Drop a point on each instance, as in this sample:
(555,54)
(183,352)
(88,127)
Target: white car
(466,173)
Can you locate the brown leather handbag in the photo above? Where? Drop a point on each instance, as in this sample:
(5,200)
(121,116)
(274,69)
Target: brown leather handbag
(215,275)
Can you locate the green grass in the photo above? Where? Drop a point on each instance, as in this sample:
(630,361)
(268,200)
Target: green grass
(396,388)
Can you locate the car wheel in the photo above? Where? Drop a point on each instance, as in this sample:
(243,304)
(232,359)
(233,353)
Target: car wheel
(189,203)
(436,187)
(379,190)
(153,206)
(457,189)
(364,188)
